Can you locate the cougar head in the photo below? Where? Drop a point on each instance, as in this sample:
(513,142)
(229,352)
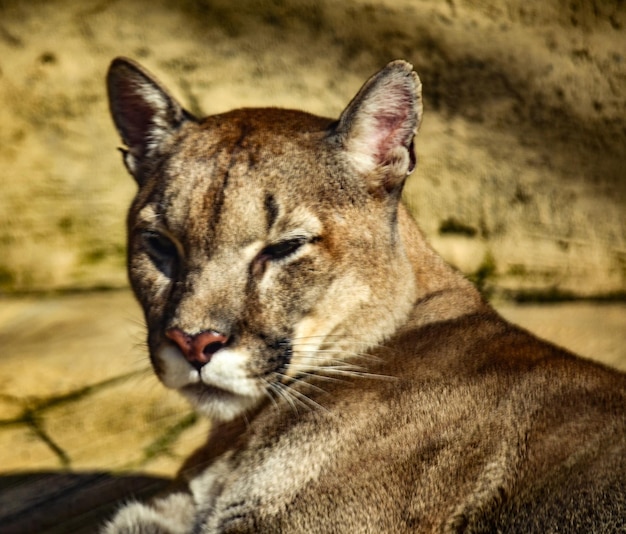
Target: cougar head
(263,244)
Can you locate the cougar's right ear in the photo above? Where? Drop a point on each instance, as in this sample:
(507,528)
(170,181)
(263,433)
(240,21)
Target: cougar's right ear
(144,113)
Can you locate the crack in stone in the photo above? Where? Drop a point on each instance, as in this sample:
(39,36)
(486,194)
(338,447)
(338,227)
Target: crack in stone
(161,445)
(34,408)
(36,425)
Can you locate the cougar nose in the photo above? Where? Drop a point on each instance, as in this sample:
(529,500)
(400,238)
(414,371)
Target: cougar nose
(199,348)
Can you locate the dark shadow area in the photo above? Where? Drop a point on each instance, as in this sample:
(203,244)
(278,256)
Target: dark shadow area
(457,80)
(56,503)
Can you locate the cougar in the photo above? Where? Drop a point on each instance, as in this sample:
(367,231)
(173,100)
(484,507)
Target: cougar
(356,382)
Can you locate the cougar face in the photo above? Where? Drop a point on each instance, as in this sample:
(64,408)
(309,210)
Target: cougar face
(256,246)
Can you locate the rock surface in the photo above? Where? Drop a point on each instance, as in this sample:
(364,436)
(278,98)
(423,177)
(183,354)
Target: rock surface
(522,153)
(78,391)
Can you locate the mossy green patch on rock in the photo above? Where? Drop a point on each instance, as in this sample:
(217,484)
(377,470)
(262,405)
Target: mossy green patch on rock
(484,276)
(453,226)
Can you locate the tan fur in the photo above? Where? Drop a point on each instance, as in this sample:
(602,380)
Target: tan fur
(362,385)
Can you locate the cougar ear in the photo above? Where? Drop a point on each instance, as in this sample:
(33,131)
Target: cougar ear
(378,127)
(144,113)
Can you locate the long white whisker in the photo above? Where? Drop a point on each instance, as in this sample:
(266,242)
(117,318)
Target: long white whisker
(302,398)
(345,353)
(280,391)
(297,397)
(330,371)
(268,391)
(354,342)
(309,384)
(336,364)
(316,376)
(323,354)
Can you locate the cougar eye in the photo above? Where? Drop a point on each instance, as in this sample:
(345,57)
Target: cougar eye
(159,245)
(162,251)
(282,249)
(275,252)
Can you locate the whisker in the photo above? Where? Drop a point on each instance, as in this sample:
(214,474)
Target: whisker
(303,399)
(346,353)
(309,384)
(330,371)
(338,364)
(325,336)
(268,391)
(316,376)
(280,391)
(338,352)
(363,349)
(341,337)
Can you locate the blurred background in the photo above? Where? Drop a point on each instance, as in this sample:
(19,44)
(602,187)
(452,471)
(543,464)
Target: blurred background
(521,181)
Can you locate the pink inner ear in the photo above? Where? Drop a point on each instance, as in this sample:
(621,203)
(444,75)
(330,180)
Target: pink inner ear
(390,132)
(391,126)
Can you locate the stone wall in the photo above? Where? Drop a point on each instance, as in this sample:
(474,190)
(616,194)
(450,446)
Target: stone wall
(522,174)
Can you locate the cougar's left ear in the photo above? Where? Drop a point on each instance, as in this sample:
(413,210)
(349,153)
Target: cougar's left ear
(378,127)
(145,114)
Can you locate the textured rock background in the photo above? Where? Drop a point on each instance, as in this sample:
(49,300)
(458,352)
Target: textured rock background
(522,176)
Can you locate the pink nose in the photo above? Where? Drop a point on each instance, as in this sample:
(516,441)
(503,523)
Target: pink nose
(199,348)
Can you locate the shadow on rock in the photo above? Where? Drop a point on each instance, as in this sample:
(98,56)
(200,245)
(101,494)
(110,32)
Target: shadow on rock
(56,502)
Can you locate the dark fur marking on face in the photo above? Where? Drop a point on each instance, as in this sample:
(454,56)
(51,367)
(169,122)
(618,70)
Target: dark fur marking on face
(221,193)
(271,210)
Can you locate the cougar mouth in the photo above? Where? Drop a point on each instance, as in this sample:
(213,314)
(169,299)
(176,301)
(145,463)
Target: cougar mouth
(202,392)
(217,403)
(233,380)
